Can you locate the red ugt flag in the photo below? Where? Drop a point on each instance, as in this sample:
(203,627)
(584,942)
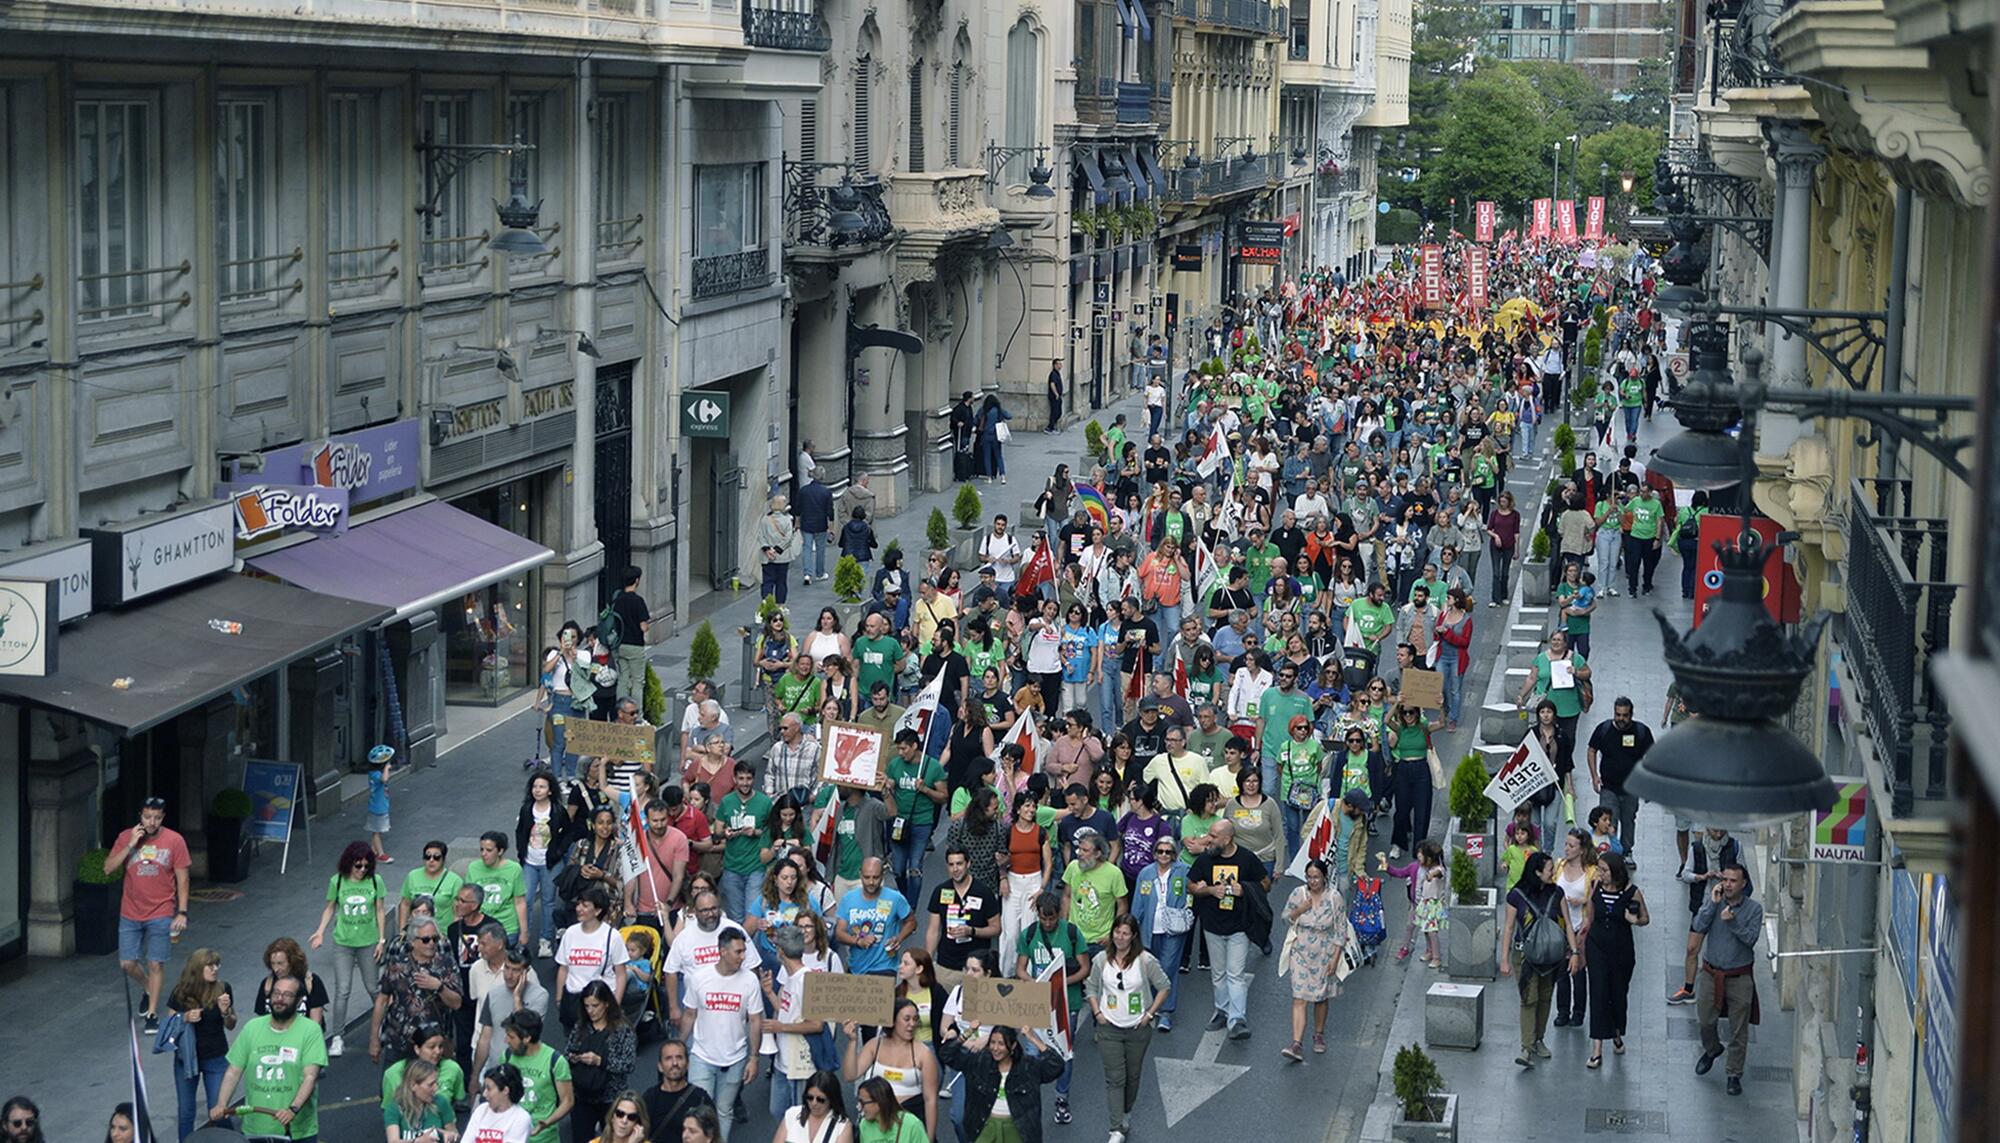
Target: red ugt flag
(1593,217)
(1483,216)
(1566,220)
(1540,227)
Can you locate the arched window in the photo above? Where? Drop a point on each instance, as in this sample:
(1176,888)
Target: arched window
(1024,80)
(864,79)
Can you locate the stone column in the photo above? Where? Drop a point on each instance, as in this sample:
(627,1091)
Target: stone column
(879,428)
(62,782)
(1796,156)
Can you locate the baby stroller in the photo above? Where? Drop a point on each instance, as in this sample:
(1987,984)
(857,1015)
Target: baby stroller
(1357,666)
(1366,915)
(644,1006)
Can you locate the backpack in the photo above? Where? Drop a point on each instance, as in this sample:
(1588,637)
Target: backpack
(607,628)
(1542,941)
(1366,912)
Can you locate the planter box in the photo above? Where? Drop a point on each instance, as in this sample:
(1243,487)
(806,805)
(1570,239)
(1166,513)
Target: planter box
(1494,755)
(96,917)
(1521,652)
(1502,722)
(1535,583)
(1443,1131)
(1472,939)
(1456,839)
(228,861)
(965,554)
(1454,1016)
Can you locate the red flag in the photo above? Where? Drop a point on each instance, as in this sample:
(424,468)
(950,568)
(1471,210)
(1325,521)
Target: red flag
(1061,1032)
(1484,214)
(1040,569)
(1593,217)
(825,831)
(1566,220)
(1180,676)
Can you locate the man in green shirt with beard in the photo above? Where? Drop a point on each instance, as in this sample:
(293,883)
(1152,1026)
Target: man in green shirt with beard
(1275,710)
(877,655)
(1257,556)
(278,1059)
(740,818)
(546,1093)
(1372,618)
(1642,540)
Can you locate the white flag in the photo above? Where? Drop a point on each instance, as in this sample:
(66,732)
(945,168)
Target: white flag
(917,716)
(1214,454)
(1526,771)
(1034,748)
(1207,574)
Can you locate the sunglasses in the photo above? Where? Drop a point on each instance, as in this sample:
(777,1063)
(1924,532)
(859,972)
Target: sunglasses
(621,1113)
(815,1097)
(22,1122)
(361,863)
(149,804)
(429,940)
(433,857)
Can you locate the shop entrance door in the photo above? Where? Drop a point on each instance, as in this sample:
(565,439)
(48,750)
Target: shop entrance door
(725,486)
(614,475)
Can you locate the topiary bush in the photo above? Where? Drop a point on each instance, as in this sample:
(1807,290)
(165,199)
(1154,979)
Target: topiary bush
(1467,796)
(848,579)
(965,508)
(653,703)
(1566,461)
(1464,877)
(1565,436)
(1417,1079)
(1538,548)
(1093,438)
(705,656)
(937,532)
(90,869)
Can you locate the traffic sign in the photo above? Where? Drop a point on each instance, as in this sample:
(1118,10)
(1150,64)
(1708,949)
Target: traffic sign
(705,413)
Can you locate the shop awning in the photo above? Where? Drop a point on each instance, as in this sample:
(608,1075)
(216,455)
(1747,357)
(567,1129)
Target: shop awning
(1131,26)
(180,649)
(409,561)
(1150,167)
(1094,175)
(1142,183)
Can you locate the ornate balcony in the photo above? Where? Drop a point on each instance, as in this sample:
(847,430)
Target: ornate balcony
(791,27)
(933,208)
(1218,177)
(828,215)
(1253,16)
(722,274)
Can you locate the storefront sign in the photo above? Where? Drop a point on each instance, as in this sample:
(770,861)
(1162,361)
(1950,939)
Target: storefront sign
(705,413)
(1593,217)
(1905,931)
(1475,277)
(1187,256)
(1433,274)
(1484,216)
(470,420)
(262,509)
(28,609)
(369,465)
(132,561)
(1566,220)
(1840,833)
(67,564)
(1539,227)
(1260,243)
(1940,1000)
(274,803)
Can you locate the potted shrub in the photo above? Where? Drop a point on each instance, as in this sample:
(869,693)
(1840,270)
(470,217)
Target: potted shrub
(705,657)
(937,533)
(96,895)
(1535,570)
(965,508)
(849,580)
(1472,938)
(1472,815)
(1425,1112)
(228,861)
(1565,436)
(1093,439)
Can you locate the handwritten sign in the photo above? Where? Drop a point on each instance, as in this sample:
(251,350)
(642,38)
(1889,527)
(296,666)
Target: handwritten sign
(1012,1003)
(852,755)
(614,741)
(840,997)
(1423,688)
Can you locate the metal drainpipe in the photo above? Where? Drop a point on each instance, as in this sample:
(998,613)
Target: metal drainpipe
(1892,348)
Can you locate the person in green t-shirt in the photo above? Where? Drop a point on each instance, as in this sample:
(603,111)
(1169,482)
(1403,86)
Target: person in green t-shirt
(278,1059)
(1631,395)
(420,1112)
(1051,940)
(1372,618)
(500,881)
(435,1050)
(920,789)
(430,880)
(1643,541)
(740,817)
(1568,697)
(797,691)
(1276,708)
(546,1094)
(1301,771)
(878,655)
(1257,556)
(1093,888)
(357,909)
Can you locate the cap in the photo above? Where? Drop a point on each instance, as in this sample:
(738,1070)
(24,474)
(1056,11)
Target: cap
(1149,703)
(891,588)
(987,569)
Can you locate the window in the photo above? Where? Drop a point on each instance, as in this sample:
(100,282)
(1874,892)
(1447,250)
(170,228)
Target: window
(245,199)
(1022,125)
(809,131)
(449,234)
(618,232)
(864,71)
(954,122)
(917,116)
(117,197)
(729,209)
(359,261)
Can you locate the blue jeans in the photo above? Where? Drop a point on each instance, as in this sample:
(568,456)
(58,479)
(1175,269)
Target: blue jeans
(813,554)
(1294,821)
(774,584)
(561,710)
(724,1084)
(1454,684)
(738,890)
(189,1089)
(541,897)
(1168,620)
(1631,421)
(785,1093)
(1110,699)
(1069,1065)
(1170,949)
(992,457)
(1228,957)
(906,858)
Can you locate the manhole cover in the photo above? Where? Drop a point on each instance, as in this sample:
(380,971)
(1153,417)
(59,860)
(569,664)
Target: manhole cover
(1623,1121)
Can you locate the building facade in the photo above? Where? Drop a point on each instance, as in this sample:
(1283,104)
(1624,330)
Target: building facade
(1843,134)
(1608,39)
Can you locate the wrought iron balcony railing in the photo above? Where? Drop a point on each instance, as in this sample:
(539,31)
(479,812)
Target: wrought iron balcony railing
(721,274)
(792,27)
(816,192)
(1899,602)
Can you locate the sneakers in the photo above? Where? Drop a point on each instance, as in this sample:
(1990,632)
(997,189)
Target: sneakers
(1116,1137)
(1217,1021)
(1165,1025)
(1293,1052)
(1239,1030)
(1542,1050)
(1682,995)
(1319,1043)
(545,950)
(336,1046)
(152,1023)
(1525,1058)
(1062,1109)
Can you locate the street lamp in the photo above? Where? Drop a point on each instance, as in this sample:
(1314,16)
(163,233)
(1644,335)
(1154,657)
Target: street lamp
(1625,179)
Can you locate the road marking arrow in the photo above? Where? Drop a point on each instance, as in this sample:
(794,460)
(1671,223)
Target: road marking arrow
(1187,1084)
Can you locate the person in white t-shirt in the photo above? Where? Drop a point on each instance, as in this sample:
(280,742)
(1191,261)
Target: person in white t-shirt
(699,946)
(501,1118)
(722,1018)
(788,1037)
(591,949)
(1003,551)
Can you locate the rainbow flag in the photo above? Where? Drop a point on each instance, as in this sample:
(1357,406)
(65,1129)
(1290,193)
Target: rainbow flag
(1092,501)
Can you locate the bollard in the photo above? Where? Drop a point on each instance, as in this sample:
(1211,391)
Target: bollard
(747,683)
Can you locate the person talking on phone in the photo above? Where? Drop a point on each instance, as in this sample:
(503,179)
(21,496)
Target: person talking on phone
(153,912)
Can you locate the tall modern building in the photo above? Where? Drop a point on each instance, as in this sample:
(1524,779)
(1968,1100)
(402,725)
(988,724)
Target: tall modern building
(1609,39)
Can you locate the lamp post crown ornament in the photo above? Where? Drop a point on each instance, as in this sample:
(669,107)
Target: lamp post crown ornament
(1741,664)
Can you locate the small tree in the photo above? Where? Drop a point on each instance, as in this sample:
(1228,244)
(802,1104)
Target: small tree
(1566,461)
(653,704)
(1093,438)
(848,579)
(893,544)
(937,531)
(1417,1080)
(1584,392)
(1538,548)
(1468,800)
(965,508)
(1464,877)
(705,656)
(1565,437)
(768,607)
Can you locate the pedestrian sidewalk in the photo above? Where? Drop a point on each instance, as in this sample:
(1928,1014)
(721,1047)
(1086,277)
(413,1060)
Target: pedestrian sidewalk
(1651,1090)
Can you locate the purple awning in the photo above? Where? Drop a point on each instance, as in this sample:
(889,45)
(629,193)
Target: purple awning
(411,560)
